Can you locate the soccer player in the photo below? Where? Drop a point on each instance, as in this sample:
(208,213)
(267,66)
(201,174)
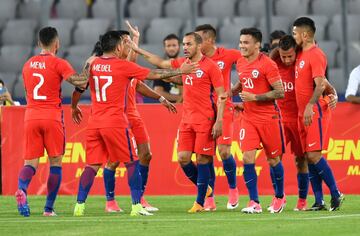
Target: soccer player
(224,58)
(170,91)
(200,123)
(108,138)
(289,114)
(44,127)
(314,112)
(261,85)
(275,37)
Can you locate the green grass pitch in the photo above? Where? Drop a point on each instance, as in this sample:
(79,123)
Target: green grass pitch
(173,219)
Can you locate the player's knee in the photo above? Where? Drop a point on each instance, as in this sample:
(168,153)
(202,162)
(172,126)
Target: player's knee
(224,152)
(313,157)
(273,161)
(55,161)
(183,160)
(301,165)
(112,165)
(248,158)
(145,158)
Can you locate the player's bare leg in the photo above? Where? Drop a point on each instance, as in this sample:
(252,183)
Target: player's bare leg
(303,182)
(85,184)
(109,182)
(53,184)
(320,170)
(25,176)
(230,171)
(279,201)
(250,178)
(145,157)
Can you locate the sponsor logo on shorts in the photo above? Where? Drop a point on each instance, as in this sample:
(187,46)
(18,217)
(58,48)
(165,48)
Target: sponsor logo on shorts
(272,153)
(226,138)
(312,144)
(206,149)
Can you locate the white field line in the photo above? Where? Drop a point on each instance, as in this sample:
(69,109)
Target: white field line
(153,219)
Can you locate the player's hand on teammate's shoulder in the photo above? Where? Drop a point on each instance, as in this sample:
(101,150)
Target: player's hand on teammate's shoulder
(189,67)
(76,114)
(247,97)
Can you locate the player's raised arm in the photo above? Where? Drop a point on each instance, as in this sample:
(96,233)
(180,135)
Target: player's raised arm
(146,91)
(151,58)
(135,38)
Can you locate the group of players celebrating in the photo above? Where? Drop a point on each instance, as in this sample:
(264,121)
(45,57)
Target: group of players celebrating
(285,99)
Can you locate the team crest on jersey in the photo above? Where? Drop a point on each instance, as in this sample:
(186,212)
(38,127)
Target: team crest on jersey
(199,73)
(255,74)
(302,64)
(221,65)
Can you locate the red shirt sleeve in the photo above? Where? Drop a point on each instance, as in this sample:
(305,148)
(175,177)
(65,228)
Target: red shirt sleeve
(318,65)
(64,68)
(216,77)
(235,55)
(176,63)
(136,71)
(271,71)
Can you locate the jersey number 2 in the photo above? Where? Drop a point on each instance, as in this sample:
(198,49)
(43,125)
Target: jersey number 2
(38,86)
(101,97)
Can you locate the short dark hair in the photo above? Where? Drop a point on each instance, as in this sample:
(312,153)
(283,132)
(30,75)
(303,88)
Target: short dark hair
(171,36)
(287,42)
(207,29)
(97,51)
(276,34)
(305,22)
(110,40)
(47,35)
(197,37)
(254,32)
(2,82)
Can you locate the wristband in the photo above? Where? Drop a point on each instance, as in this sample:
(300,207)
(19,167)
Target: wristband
(161,99)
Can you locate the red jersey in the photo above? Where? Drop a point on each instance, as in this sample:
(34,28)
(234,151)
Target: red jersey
(131,110)
(309,65)
(287,105)
(109,81)
(199,105)
(42,75)
(256,77)
(225,58)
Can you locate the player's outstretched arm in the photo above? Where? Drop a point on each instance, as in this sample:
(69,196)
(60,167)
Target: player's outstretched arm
(151,58)
(320,85)
(186,68)
(146,91)
(81,80)
(222,96)
(175,80)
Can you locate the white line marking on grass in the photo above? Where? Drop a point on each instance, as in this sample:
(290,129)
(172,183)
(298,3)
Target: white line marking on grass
(153,219)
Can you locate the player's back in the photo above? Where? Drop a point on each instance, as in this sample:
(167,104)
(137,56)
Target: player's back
(42,76)
(256,77)
(109,81)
